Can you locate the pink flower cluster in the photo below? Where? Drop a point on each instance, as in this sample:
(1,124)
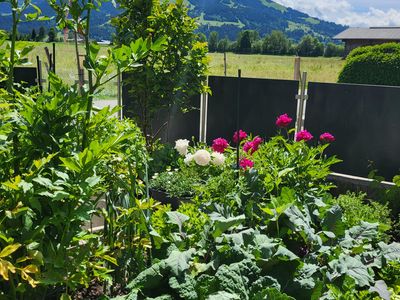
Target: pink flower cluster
(246,163)
(219,145)
(326,138)
(238,137)
(283,121)
(303,135)
(252,146)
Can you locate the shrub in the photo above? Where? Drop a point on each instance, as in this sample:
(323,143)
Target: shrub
(355,210)
(378,65)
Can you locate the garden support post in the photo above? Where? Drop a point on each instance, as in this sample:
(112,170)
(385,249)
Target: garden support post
(301,103)
(297,64)
(203,116)
(225,64)
(238,121)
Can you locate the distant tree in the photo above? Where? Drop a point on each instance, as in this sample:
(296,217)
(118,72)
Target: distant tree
(332,50)
(223,45)
(42,34)
(256,47)
(246,39)
(310,46)
(276,43)
(213,41)
(33,35)
(52,35)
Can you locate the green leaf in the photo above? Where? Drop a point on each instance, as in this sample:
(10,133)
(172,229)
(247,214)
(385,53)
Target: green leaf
(70,164)
(396,180)
(222,295)
(333,221)
(178,262)
(10,249)
(390,252)
(177,218)
(351,266)
(221,225)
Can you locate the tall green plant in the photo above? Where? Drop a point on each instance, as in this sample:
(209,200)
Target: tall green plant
(166,77)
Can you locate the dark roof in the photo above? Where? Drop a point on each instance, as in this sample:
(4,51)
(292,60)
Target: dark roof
(372,33)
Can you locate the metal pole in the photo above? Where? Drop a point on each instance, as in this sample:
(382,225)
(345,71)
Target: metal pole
(301,106)
(203,116)
(238,120)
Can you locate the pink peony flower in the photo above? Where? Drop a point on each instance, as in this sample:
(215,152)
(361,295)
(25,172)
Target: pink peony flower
(303,135)
(283,121)
(241,137)
(219,145)
(247,146)
(251,147)
(327,138)
(246,163)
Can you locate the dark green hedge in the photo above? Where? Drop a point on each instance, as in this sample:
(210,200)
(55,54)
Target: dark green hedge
(379,65)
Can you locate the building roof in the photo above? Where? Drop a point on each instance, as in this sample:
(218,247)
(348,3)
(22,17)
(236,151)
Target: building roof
(372,33)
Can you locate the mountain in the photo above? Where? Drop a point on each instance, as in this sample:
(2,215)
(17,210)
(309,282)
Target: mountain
(227,17)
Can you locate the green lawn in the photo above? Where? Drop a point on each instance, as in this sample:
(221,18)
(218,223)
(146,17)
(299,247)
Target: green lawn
(319,69)
(258,66)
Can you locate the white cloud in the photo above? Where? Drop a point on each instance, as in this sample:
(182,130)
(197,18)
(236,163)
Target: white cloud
(343,12)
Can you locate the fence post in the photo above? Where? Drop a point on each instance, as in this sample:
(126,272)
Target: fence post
(297,63)
(203,116)
(301,102)
(225,64)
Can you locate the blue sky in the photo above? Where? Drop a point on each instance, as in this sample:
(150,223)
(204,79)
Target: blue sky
(360,13)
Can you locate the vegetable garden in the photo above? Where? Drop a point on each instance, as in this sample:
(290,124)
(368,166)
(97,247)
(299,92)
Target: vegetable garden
(244,218)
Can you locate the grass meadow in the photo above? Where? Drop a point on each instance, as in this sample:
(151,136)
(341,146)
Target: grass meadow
(319,69)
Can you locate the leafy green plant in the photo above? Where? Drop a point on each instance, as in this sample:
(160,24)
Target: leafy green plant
(372,65)
(175,184)
(166,77)
(356,209)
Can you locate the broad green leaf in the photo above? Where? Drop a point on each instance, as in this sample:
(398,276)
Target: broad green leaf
(70,164)
(221,225)
(175,217)
(351,266)
(333,221)
(390,252)
(178,262)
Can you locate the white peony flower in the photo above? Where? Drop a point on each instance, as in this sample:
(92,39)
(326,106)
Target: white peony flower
(218,159)
(182,146)
(202,157)
(188,158)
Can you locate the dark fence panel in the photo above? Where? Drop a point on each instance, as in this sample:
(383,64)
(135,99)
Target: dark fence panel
(261,101)
(169,124)
(366,122)
(25,76)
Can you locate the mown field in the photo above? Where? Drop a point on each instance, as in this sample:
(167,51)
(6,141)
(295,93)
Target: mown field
(319,69)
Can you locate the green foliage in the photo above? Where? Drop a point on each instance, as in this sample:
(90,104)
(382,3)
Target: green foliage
(373,65)
(276,43)
(166,77)
(175,184)
(310,46)
(332,50)
(213,41)
(355,210)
